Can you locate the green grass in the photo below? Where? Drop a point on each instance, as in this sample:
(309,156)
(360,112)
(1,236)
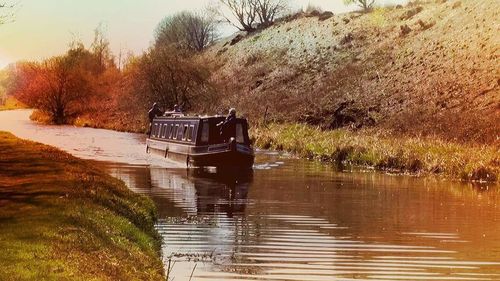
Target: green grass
(384,152)
(63,219)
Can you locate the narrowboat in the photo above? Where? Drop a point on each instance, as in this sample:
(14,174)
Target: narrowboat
(197,141)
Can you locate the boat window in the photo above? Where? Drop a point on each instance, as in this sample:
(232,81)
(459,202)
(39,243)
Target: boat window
(167,128)
(174,135)
(156,130)
(240,137)
(171,131)
(190,133)
(163,130)
(185,132)
(205,131)
(180,132)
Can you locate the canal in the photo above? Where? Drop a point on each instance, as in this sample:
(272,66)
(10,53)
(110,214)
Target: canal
(293,219)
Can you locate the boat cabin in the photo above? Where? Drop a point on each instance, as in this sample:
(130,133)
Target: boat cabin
(198,141)
(196,131)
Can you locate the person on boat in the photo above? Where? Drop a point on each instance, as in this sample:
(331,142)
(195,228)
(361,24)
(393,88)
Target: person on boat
(228,126)
(154,112)
(176,111)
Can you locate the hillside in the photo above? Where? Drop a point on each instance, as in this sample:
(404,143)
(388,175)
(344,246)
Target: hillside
(429,68)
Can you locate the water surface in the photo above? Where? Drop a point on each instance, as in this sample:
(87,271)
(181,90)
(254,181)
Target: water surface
(293,219)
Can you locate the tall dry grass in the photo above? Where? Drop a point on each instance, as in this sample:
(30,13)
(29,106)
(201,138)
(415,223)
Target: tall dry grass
(384,152)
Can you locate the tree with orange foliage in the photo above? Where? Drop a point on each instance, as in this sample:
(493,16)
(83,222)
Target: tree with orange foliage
(59,86)
(64,86)
(20,77)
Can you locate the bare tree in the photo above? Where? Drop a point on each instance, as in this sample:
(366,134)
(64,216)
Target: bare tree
(200,30)
(6,12)
(268,10)
(366,5)
(101,50)
(169,31)
(244,13)
(166,75)
(191,31)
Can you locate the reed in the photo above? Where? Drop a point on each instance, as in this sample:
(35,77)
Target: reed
(382,151)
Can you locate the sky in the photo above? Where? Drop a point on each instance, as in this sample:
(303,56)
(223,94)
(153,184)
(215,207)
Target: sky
(44,28)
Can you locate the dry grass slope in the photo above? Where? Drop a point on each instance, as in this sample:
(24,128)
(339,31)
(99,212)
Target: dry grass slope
(429,68)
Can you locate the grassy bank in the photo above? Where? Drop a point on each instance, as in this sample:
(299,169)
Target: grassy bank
(123,122)
(384,152)
(63,219)
(11,103)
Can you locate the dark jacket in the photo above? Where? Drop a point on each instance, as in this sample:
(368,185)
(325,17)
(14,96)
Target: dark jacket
(154,112)
(228,128)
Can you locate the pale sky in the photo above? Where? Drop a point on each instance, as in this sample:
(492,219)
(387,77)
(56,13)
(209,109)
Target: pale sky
(43,28)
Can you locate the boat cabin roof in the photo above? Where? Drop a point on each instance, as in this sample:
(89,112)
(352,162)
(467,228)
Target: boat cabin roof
(197,130)
(181,117)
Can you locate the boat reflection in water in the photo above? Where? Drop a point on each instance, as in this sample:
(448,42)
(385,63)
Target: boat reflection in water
(201,214)
(221,192)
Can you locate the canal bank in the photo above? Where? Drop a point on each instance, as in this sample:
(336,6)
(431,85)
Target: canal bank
(375,150)
(62,218)
(384,152)
(10,103)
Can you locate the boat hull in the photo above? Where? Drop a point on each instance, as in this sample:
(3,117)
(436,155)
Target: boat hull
(227,155)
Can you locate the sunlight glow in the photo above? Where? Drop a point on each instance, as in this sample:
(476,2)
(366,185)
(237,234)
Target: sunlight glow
(44,28)
(4,61)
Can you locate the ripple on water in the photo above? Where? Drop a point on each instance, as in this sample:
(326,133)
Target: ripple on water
(262,245)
